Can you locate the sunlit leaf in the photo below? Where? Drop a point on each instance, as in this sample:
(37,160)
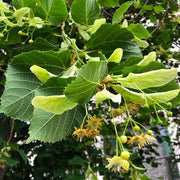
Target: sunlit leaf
(88,78)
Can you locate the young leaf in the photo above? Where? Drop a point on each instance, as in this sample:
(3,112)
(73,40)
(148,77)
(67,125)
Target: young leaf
(116,56)
(42,74)
(53,104)
(53,10)
(147,59)
(104,94)
(118,15)
(110,37)
(49,127)
(85,11)
(88,78)
(150,79)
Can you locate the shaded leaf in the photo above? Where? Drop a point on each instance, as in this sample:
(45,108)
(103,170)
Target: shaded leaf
(53,10)
(39,44)
(85,11)
(21,83)
(49,127)
(110,37)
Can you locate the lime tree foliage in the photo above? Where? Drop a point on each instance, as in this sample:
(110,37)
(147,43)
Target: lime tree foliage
(84,68)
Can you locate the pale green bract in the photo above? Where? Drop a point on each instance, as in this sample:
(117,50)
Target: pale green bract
(53,104)
(42,74)
(147,59)
(116,56)
(149,79)
(3,7)
(140,98)
(20,13)
(104,94)
(96,25)
(141,43)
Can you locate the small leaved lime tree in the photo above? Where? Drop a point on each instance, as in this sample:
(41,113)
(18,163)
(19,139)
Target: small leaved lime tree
(64,56)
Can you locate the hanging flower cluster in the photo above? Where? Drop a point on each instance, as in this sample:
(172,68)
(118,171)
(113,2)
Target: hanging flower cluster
(93,126)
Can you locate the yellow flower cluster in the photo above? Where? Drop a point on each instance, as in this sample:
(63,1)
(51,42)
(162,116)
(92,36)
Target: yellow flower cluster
(2,163)
(92,129)
(118,164)
(133,109)
(141,140)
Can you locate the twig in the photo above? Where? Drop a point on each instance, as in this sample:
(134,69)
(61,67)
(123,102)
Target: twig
(12,128)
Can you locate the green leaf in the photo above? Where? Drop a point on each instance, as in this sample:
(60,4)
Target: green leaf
(109,3)
(53,86)
(13,37)
(10,162)
(21,83)
(104,94)
(3,7)
(139,31)
(147,59)
(148,7)
(140,98)
(53,104)
(158,9)
(88,78)
(53,10)
(85,11)
(154,65)
(118,15)
(24,3)
(49,127)
(110,37)
(39,44)
(116,70)
(42,74)
(116,56)
(150,79)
